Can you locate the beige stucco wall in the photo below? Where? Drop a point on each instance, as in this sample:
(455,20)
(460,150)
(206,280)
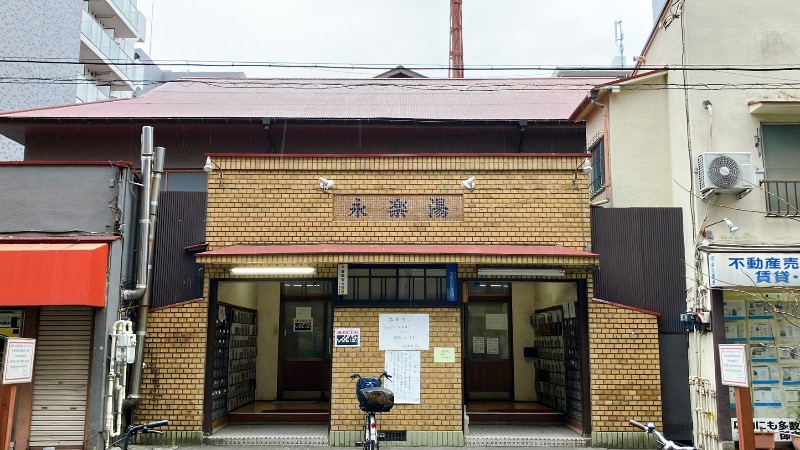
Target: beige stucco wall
(269,301)
(522,307)
(238,293)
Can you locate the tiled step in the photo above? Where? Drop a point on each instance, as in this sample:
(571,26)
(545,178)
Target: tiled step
(289,435)
(521,435)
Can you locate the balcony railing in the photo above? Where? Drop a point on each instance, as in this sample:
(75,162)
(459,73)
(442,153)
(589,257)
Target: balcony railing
(113,53)
(88,91)
(134,16)
(783,197)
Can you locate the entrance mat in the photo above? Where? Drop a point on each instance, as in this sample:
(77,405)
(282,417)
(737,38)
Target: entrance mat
(518,410)
(298,410)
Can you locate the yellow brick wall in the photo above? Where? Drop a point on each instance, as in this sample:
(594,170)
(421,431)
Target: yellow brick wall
(173,380)
(541,200)
(440,388)
(625,373)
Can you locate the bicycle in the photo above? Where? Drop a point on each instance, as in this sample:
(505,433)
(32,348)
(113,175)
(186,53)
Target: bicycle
(663,442)
(134,429)
(372,398)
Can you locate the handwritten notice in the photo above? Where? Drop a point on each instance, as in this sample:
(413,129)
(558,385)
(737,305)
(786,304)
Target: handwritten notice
(18,360)
(404,367)
(403,332)
(733,365)
(444,354)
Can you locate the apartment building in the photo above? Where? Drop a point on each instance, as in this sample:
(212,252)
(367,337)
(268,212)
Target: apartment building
(57,52)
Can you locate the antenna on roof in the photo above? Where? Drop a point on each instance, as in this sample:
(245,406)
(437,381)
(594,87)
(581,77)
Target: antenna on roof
(618,37)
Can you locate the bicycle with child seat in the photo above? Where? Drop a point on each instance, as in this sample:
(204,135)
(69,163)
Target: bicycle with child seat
(661,440)
(133,430)
(372,399)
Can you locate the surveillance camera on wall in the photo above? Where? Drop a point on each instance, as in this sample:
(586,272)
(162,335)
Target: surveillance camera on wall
(469,183)
(325,183)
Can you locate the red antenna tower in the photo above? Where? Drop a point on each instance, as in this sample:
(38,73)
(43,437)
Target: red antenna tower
(456,44)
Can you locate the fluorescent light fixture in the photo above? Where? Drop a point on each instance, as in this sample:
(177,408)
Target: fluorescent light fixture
(273,270)
(484,271)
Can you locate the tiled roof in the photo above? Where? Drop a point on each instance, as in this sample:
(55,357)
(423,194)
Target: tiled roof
(417,99)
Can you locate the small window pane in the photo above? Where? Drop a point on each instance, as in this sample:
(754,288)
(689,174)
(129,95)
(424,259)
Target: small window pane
(391,288)
(412,272)
(437,273)
(358,272)
(384,273)
(404,293)
(363,288)
(419,288)
(375,290)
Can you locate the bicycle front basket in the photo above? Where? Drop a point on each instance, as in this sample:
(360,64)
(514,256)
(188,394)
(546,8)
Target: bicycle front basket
(376,399)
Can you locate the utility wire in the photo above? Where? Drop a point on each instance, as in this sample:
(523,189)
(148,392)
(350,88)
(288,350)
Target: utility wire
(383,66)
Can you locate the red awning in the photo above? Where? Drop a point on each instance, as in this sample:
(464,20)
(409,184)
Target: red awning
(53,274)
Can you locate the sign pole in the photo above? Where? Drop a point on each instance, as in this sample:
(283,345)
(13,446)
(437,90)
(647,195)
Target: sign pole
(744,415)
(8,397)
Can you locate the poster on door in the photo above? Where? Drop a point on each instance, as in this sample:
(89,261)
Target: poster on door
(303,325)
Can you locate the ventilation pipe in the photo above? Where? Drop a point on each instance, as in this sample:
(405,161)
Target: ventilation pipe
(707,106)
(152,169)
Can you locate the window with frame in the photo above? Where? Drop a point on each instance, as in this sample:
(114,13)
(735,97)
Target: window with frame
(401,285)
(597,177)
(781,183)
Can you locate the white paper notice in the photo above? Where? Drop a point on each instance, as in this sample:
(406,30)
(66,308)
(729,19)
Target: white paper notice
(302,312)
(403,332)
(492,346)
(478,344)
(496,322)
(404,367)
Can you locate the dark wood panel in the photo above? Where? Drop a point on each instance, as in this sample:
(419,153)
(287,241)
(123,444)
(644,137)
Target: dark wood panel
(306,375)
(489,376)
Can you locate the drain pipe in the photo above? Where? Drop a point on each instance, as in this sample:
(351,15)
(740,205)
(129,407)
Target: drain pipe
(148,203)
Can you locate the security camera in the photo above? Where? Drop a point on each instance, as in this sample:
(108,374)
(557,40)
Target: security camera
(325,184)
(469,183)
(208,168)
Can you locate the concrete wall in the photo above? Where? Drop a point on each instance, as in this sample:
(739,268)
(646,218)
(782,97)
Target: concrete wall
(58,199)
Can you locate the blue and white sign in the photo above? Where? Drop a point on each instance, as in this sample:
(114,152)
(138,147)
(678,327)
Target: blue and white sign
(753,269)
(452,282)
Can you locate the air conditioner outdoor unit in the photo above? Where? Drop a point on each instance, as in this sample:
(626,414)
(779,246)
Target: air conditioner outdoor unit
(726,173)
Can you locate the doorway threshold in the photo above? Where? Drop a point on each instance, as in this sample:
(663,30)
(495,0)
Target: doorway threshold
(309,435)
(523,435)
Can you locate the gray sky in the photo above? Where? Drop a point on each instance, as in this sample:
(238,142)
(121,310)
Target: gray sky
(393,32)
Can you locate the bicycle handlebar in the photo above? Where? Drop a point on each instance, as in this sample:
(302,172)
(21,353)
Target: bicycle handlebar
(384,374)
(665,443)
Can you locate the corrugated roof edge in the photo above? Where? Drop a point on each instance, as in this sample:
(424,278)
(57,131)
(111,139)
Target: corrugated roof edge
(43,108)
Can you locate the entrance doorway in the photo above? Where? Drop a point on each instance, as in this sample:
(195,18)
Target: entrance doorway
(489,366)
(305,349)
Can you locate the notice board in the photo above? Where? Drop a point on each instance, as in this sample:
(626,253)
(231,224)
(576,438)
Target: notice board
(403,332)
(404,367)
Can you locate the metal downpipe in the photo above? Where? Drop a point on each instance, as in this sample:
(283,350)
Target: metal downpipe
(144,257)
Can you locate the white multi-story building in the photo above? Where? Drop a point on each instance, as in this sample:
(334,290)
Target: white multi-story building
(709,125)
(56,52)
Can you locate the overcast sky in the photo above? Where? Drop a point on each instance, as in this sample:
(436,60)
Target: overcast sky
(413,33)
